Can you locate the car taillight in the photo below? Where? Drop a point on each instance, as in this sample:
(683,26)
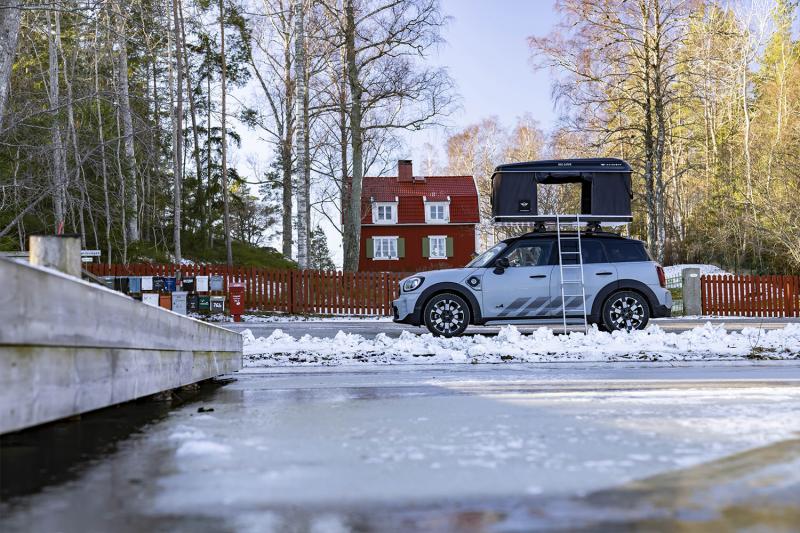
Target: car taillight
(662,278)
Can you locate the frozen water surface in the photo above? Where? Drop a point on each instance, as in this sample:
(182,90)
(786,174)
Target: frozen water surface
(432,448)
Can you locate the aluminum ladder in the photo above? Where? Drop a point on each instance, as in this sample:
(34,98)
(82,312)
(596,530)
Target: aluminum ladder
(574,286)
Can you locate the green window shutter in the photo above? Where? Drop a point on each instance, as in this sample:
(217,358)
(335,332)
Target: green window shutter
(370,249)
(426,247)
(449,247)
(401,247)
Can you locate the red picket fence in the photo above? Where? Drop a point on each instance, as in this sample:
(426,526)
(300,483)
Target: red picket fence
(286,291)
(759,296)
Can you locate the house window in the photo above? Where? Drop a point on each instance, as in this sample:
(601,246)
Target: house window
(384,213)
(438,246)
(384,247)
(437,212)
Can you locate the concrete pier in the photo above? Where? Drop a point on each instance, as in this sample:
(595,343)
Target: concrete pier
(68,347)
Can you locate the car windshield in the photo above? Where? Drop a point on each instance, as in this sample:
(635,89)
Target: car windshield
(486,257)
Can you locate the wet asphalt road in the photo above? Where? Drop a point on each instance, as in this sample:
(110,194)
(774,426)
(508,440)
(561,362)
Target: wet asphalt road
(371,328)
(606,447)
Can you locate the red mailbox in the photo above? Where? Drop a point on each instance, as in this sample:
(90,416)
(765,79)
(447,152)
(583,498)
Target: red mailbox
(236,300)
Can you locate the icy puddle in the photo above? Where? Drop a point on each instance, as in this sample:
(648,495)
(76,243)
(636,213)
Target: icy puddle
(438,448)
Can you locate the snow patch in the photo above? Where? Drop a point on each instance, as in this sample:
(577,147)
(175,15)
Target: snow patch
(707,342)
(202,447)
(674,271)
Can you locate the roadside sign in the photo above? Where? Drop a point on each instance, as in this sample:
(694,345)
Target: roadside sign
(90,253)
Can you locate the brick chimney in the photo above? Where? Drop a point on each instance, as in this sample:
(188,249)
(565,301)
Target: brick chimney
(405,173)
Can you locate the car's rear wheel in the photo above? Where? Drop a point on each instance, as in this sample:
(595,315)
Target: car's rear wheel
(626,311)
(447,315)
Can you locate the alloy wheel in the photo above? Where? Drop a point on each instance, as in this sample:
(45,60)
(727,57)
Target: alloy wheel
(447,316)
(627,313)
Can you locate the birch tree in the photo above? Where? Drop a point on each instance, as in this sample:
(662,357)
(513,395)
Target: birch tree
(10,18)
(129,165)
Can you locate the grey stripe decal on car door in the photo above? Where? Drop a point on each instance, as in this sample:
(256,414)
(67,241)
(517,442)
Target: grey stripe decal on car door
(537,304)
(516,304)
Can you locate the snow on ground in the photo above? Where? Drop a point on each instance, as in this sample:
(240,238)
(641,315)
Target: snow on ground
(674,271)
(708,342)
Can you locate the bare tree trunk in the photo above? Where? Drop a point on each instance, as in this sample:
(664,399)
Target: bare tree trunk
(127,126)
(20,223)
(193,112)
(286,150)
(352,216)
(10,17)
(177,133)
(224,134)
(301,137)
(659,102)
(103,165)
(745,66)
(59,171)
(209,159)
(306,189)
(121,174)
(73,134)
(347,182)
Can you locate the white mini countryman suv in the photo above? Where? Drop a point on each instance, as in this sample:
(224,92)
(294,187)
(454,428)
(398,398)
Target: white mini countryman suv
(519,281)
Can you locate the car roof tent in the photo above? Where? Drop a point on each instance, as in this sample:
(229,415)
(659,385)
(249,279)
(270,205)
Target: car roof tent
(606,191)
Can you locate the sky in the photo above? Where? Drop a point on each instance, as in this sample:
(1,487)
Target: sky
(487,55)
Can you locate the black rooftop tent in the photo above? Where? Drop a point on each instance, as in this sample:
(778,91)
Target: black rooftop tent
(605,189)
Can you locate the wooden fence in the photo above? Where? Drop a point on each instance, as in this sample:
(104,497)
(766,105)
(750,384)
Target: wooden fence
(286,291)
(759,296)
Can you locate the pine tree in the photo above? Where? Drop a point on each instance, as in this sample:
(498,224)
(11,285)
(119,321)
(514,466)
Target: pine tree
(319,256)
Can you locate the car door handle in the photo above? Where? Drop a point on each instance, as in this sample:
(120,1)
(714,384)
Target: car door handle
(538,276)
(603,273)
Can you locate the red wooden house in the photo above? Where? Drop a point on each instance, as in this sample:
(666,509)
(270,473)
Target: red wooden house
(411,223)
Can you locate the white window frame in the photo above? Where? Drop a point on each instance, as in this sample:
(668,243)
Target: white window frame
(376,209)
(376,248)
(443,239)
(445,211)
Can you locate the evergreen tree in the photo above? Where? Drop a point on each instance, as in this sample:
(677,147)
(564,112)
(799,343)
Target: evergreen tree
(319,256)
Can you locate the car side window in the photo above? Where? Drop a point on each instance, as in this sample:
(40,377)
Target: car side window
(530,254)
(625,251)
(591,251)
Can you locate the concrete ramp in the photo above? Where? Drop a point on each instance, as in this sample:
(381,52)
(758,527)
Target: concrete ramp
(68,347)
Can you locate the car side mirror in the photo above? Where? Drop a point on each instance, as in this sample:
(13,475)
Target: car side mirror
(501,265)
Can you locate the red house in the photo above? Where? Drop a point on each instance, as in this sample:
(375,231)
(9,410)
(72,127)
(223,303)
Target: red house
(411,223)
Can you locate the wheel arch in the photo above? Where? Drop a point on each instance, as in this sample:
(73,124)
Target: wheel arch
(455,288)
(622,285)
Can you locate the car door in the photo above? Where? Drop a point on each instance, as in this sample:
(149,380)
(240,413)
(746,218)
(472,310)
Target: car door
(522,289)
(597,273)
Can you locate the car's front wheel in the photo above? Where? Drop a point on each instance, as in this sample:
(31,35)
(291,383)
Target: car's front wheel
(626,311)
(447,315)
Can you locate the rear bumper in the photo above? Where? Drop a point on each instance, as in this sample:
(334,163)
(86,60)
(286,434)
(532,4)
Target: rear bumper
(662,311)
(663,307)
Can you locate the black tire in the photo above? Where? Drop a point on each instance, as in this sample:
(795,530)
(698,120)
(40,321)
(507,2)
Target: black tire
(446,315)
(626,311)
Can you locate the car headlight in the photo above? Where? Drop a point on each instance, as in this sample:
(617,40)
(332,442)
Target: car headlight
(412,283)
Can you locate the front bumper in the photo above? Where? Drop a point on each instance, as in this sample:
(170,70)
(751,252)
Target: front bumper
(403,310)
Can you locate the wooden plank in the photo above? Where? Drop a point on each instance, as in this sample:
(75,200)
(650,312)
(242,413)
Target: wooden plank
(712,300)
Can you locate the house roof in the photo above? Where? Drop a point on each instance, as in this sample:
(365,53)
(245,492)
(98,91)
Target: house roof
(460,189)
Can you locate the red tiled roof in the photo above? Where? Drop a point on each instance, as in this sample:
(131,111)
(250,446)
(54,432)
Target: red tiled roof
(461,190)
